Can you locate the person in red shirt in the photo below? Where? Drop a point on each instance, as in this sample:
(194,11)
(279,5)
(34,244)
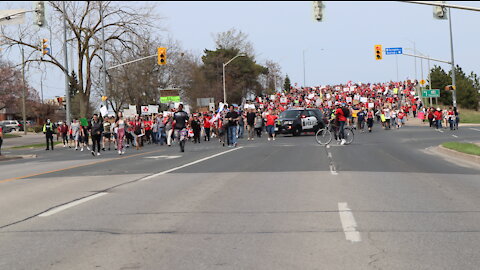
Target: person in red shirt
(438,118)
(401,118)
(340,116)
(414,110)
(147,123)
(270,125)
(207,125)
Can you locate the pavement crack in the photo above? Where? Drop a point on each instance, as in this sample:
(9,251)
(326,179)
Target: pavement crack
(375,257)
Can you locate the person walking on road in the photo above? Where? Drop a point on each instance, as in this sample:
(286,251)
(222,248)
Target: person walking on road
(180,121)
(63,130)
(49,130)
(251,124)
(207,125)
(120,124)
(233,118)
(270,124)
(258,124)
(107,134)
(341,118)
(96,129)
(370,116)
(76,131)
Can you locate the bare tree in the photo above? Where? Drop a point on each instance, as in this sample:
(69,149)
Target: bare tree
(234,39)
(121,23)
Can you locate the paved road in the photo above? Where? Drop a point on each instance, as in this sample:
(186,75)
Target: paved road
(384,202)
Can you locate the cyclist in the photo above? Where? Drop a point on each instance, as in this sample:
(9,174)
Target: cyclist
(180,121)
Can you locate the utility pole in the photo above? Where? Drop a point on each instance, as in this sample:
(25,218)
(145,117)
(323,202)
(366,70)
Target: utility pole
(41,84)
(24,112)
(454,92)
(65,57)
(103,56)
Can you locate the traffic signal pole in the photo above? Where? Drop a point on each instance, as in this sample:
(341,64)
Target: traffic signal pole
(65,57)
(454,91)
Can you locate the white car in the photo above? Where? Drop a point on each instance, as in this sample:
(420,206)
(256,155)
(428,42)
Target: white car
(13,124)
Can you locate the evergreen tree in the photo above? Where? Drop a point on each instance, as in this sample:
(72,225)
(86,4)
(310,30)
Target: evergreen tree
(287,85)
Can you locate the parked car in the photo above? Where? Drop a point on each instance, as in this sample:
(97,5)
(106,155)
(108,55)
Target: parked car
(6,129)
(13,124)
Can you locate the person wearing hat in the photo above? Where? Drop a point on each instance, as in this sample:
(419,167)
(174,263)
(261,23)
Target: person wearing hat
(438,118)
(49,130)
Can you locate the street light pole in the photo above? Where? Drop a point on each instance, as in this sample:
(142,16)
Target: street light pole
(24,86)
(224,65)
(454,92)
(103,56)
(65,57)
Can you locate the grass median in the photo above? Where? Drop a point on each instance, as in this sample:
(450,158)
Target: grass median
(34,145)
(8,135)
(467,148)
(469,116)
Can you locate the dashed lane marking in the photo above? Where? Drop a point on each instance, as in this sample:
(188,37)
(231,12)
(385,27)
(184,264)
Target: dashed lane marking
(71,204)
(348,223)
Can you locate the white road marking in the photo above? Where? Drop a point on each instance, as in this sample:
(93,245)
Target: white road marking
(188,164)
(72,204)
(167,157)
(455,136)
(348,223)
(475,129)
(333,170)
(328,146)
(439,130)
(329,154)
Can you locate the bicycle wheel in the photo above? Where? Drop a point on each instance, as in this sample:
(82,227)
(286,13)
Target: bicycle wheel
(348,132)
(323,136)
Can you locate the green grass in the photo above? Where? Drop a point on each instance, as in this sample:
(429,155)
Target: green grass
(468,148)
(34,145)
(469,116)
(6,136)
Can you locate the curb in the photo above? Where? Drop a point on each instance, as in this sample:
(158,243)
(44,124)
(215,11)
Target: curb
(468,157)
(6,158)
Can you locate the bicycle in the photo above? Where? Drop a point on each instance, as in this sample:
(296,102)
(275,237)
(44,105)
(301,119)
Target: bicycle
(324,136)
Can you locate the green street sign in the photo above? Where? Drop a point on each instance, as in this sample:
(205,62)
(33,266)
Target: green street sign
(428,93)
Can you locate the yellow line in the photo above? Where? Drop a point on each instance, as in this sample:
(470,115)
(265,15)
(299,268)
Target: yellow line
(76,166)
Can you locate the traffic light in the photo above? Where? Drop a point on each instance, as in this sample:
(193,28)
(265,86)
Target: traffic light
(378,52)
(440,12)
(45,49)
(104,98)
(162,56)
(40,13)
(318,11)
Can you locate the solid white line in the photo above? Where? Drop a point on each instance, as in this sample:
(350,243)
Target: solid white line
(72,204)
(475,129)
(455,136)
(188,164)
(348,223)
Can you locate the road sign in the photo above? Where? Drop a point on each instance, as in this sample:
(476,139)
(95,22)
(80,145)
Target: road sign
(393,51)
(422,82)
(427,93)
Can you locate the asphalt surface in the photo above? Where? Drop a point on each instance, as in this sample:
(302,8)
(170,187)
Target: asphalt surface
(385,202)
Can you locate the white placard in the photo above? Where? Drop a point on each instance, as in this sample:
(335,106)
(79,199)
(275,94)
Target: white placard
(153,109)
(328,96)
(363,99)
(144,110)
(132,108)
(103,111)
(370,105)
(412,93)
(329,103)
(352,88)
(211,106)
(338,88)
(356,97)
(272,97)
(346,89)
(311,96)
(252,106)
(283,100)
(349,99)
(127,113)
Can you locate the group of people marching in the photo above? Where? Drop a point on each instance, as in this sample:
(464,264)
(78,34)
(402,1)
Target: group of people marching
(390,103)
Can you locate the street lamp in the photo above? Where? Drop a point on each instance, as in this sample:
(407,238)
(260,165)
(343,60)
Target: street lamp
(224,65)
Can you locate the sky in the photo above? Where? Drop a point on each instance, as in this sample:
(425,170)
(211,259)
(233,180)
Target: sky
(337,50)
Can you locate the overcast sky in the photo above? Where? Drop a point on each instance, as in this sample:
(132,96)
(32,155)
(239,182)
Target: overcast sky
(337,50)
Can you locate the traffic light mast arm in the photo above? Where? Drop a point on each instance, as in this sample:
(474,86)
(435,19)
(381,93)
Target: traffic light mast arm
(133,61)
(9,17)
(442,5)
(428,58)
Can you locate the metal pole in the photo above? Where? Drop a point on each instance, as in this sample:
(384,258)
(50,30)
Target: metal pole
(65,57)
(24,111)
(396,60)
(103,56)
(415,60)
(41,84)
(304,85)
(224,91)
(454,92)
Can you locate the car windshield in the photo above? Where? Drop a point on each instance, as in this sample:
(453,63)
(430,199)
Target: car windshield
(290,114)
